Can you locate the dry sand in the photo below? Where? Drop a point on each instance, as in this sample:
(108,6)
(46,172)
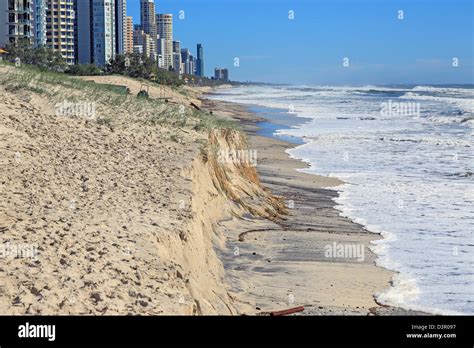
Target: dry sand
(121,217)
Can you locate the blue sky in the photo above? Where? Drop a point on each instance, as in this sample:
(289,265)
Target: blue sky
(310,49)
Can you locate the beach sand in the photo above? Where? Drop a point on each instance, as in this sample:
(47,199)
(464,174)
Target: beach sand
(113,212)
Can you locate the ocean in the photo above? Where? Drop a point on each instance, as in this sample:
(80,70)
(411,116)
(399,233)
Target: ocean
(406,156)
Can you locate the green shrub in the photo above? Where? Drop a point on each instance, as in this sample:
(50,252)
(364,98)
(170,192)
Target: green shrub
(84,70)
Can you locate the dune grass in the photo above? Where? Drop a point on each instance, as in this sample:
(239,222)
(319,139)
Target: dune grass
(114,104)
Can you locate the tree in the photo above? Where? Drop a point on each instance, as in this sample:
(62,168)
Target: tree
(117,65)
(42,57)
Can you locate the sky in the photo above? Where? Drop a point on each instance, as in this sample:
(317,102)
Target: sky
(329,42)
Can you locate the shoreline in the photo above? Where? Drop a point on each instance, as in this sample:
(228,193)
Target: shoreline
(266,243)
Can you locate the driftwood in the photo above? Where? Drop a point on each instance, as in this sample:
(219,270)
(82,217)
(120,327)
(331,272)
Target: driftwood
(283,312)
(195,106)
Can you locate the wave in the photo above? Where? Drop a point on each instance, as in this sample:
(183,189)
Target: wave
(464,104)
(440,89)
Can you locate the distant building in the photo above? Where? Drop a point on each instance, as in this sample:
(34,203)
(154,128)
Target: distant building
(120,25)
(221,74)
(186,61)
(177,63)
(16,21)
(96,31)
(192,65)
(148,21)
(165,36)
(176,46)
(185,54)
(146,42)
(128,34)
(200,61)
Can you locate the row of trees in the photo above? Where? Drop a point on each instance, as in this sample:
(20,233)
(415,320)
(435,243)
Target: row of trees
(140,66)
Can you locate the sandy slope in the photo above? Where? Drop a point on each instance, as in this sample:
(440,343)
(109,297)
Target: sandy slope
(121,217)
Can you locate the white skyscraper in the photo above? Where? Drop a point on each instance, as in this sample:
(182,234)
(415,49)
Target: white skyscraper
(164,23)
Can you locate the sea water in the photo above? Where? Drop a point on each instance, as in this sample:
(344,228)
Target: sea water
(406,156)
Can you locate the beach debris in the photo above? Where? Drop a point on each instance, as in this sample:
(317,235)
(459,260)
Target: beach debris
(281,313)
(287,311)
(195,106)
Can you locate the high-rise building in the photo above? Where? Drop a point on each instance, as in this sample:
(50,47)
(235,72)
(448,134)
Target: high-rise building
(165,36)
(148,20)
(200,61)
(128,35)
(40,23)
(187,61)
(185,54)
(16,21)
(120,25)
(177,66)
(192,65)
(96,31)
(221,74)
(60,18)
(177,62)
(177,47)
(145,41)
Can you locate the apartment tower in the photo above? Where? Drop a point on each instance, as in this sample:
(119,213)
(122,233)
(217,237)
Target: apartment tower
(40,22)
(128,33)
(96,31)
(120,25)
(16,21)
(200,61)
(60,19)
(164,23)
(148,21)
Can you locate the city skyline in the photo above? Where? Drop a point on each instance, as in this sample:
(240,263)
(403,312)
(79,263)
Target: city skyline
(298,42)
(95,32)
(381,48)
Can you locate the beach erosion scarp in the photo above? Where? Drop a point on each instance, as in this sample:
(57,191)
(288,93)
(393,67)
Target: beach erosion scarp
(109,202)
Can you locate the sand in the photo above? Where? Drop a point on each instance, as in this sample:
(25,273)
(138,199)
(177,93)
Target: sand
(115,214)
